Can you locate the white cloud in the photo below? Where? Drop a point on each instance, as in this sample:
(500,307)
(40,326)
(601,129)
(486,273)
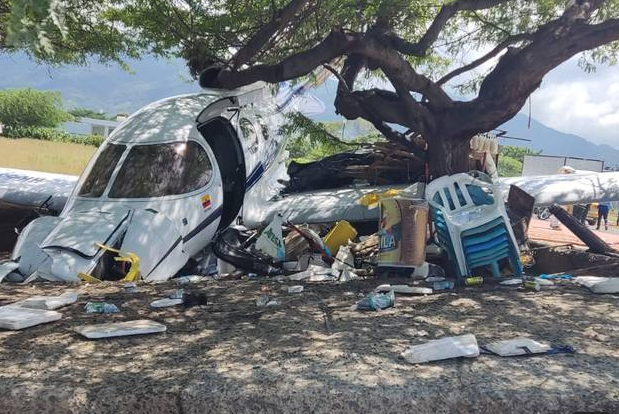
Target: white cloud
(585,104)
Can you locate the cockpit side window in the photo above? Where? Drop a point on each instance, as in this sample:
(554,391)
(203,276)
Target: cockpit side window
(94,185)
(162,169)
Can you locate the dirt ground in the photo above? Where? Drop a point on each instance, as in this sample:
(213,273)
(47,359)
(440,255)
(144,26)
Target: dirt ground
(312,353)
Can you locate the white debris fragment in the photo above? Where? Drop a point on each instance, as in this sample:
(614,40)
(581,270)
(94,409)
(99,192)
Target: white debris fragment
(444,348)
(165,303)
(271,240)
(343,260)
(109,330)
(511,282)
(597,284)
(347,275)
(314,273)
(517,346)
(6,268)
(405,289)
(183,280)
(47,302)
(422,271)
(433,279)
(295,289)
(544,282)
(15,318)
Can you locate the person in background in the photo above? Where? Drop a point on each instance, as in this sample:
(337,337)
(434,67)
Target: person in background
(603,209)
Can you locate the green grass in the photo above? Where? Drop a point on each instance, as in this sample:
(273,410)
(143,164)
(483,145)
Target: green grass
(47,156)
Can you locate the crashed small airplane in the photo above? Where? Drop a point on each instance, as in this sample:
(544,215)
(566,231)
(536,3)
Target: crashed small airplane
(182,168)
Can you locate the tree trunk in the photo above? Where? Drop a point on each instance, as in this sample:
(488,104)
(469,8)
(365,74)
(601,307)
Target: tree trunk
(448,156)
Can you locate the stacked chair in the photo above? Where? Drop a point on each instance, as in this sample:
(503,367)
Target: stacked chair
(471,223)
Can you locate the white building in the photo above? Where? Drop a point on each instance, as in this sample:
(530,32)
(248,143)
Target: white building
(101,127)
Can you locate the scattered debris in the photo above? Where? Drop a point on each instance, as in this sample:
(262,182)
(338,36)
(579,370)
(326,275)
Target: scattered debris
(520,206)
(532,285)
(555,277)
(6,268)
(474,281)
(47,302)
(443,285)
(402,230)
(511,282)
(184,280)
(411,290)
(444,348)
(376,301)
(192,299)
(165,303)
(592,240)
(262,301)
(295,245)
(516,346)
(177,294)
(598,284)
(230,246)
(313,273)
(16,318)
(101,307)
(420,333)
(544,282)
(347,275)
(367,247)
(339,235)
(131,287)
(271,240)
(295,289)
(432,279)
(344,259)
(114,329)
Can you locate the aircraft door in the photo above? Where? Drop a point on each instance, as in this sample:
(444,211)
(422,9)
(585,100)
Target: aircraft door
(204,206)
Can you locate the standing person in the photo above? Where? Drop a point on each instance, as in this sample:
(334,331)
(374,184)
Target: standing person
(603,209)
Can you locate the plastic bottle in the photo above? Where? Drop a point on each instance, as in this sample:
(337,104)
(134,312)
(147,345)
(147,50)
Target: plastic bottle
(443,285)
(101,307)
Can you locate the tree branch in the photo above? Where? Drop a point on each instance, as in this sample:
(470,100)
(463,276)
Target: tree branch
(397,68)
(300,64)
(520,71)
(498,49)
(449,10)
(280,20)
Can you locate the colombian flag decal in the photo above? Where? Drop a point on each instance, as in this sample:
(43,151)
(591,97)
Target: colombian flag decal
(206,201)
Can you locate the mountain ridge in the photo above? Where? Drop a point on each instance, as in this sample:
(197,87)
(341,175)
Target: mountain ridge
(110,89)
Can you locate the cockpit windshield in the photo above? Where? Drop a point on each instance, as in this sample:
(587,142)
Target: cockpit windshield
(159,170)
(94,185)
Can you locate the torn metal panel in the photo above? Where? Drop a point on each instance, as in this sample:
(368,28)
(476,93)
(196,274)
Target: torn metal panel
(80,230)
(566,189)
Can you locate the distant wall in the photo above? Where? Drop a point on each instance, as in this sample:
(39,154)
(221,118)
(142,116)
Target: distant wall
(550,164)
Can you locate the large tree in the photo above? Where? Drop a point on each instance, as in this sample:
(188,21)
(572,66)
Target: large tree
(398,62)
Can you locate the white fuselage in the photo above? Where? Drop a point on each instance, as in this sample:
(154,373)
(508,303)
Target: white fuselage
(160,186)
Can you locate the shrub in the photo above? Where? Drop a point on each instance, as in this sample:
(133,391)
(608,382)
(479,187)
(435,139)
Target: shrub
(50,134)
(31,107)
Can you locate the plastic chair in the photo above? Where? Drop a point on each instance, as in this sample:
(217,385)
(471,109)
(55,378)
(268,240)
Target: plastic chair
(471,222)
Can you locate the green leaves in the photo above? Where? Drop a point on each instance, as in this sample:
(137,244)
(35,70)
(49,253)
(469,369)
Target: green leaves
(51,134)
(30,107)
(511,159)
(207,32)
